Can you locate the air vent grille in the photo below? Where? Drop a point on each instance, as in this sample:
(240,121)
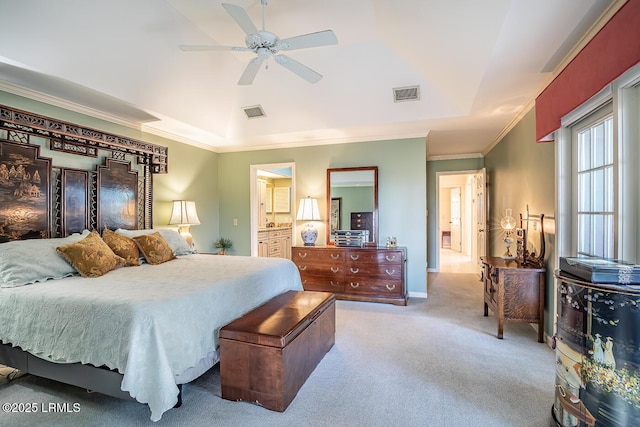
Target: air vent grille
(254,112)
(408,93)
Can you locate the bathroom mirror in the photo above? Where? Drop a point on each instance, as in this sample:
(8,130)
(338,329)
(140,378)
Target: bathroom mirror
(352,201)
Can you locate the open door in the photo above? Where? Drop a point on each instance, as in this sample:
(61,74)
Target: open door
(480,216)
(456,212)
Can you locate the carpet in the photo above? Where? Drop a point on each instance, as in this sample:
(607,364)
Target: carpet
(435,362)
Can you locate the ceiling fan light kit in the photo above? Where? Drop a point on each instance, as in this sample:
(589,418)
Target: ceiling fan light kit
(266,44)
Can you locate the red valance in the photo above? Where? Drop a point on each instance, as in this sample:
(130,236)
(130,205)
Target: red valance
(613,50)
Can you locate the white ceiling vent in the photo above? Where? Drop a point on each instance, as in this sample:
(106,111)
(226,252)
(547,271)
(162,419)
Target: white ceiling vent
(254,112)
(408,93)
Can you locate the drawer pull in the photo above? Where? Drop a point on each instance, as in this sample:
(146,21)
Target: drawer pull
(304,281)
(335,269)
(355,285)
(390,258)
(354,270)
(334,256)
(354,257)
(391,287)
(390,273)
(302,255)
(302,267)
(334,284)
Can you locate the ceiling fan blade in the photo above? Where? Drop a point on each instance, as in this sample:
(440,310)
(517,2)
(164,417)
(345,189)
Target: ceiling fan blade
(190,47)
(296,67)
(241,17)
(250,72)
(321,38)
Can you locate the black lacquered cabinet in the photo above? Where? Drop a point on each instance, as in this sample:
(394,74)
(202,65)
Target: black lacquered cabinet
(597,354)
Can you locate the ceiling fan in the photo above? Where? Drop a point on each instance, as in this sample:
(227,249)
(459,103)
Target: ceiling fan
(266,44)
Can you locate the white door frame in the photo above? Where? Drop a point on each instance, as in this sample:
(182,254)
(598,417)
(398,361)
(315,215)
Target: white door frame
(253,184)
(467,220)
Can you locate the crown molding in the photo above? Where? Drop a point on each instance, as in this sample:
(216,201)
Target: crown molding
(67,105)
(455,157)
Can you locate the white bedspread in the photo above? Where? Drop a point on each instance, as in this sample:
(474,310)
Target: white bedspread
(151,323)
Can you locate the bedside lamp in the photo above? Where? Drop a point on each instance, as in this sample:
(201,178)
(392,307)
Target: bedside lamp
(508,224)
(184,215)
(308,211)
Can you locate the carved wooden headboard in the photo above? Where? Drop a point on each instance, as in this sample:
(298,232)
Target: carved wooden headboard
(58,178)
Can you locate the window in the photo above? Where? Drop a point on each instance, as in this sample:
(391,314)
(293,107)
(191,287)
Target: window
(597,174)
(594,174)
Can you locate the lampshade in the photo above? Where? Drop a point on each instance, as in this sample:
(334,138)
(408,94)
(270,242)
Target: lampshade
(184,213)
(308,210)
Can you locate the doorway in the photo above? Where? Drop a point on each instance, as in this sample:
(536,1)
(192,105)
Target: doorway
(265,211)
(459,219)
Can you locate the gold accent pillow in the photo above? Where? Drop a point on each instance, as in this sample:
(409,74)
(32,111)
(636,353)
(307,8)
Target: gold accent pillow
(91,256)
(122,246)
(154,247)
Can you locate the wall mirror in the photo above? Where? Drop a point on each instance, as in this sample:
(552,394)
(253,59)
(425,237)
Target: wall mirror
(352,201)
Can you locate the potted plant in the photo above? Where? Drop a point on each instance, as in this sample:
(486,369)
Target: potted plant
(223,244)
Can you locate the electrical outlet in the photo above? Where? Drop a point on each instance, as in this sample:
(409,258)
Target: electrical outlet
(235,222)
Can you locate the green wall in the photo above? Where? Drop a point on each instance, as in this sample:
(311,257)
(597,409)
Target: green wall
(401,191)
(433,168)
(219,184)
(520,173)
(192,172)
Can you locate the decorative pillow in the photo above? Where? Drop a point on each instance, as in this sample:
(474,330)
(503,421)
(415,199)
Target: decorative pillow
(178,245)
(155,248)
(91,256)
(17,266)
(122,246)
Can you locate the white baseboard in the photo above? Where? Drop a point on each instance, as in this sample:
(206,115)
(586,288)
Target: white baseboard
(417,295)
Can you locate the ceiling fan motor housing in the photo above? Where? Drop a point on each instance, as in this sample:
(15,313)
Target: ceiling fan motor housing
(262,39)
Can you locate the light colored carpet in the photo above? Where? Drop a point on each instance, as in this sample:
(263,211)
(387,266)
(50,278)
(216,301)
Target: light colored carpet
(435,362)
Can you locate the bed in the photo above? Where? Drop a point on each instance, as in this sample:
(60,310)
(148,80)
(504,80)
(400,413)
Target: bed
(155,326)
(135,331)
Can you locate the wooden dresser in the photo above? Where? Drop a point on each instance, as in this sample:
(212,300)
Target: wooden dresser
(513,292)
(359,274)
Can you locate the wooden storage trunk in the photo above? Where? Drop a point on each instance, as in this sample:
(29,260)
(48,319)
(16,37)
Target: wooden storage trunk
(267,354)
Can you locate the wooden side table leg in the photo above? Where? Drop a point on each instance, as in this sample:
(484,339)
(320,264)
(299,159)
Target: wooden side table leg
(500,326)
(486,309)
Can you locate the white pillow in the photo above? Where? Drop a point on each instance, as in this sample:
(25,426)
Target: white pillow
(23,262)
(178,245)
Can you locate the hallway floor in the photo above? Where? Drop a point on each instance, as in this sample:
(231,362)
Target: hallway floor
(454,262)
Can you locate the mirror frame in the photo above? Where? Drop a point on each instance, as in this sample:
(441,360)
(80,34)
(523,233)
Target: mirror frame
(330,240)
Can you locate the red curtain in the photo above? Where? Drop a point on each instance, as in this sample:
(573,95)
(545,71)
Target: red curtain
(613,50)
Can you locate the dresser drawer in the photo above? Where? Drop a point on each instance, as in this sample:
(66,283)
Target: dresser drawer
(387,288)
(321,284)
(374,257)
(330,271)
(326,257)
(374,272)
